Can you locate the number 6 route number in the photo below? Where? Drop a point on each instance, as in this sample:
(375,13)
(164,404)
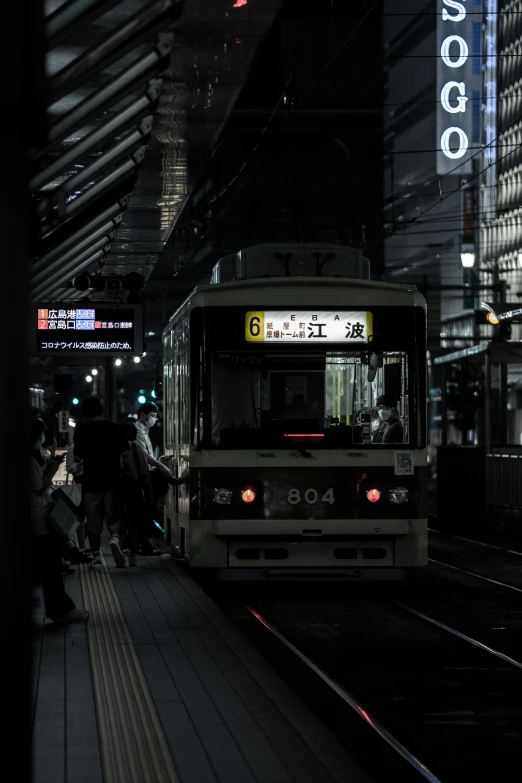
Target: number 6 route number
(310,496)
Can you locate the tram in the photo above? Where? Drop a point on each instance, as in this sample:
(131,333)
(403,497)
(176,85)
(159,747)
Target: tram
(283,379)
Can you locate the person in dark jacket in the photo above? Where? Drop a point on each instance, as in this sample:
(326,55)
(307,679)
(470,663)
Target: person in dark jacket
(47,561)
(390,430)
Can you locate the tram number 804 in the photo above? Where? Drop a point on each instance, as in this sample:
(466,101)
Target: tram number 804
(310,496)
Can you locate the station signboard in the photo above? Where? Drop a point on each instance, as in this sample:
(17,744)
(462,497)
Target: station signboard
(110,329)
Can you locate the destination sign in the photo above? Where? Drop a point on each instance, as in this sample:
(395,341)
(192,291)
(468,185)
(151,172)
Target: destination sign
(110,329)
(342,326)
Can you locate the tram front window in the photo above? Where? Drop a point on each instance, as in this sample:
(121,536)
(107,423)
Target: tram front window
(327,399)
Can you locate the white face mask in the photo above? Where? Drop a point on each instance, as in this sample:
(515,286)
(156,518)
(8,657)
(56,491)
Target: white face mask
(150,421)
(384,415)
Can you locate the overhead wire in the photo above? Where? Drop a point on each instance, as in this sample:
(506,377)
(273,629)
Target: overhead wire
(281,99)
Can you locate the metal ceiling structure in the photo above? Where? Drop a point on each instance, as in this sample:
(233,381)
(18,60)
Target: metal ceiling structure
(137,94)
(181,132)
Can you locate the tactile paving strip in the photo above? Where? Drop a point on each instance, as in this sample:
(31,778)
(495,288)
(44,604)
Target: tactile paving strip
(133,745)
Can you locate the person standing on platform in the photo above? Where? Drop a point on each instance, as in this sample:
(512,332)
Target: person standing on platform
(159,473)
(101,444)
(47,560)
(76,471)
(136,497)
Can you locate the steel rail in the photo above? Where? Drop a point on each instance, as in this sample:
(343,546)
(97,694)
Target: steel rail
(351,701)
(473,541)
(459,634)
(476,576)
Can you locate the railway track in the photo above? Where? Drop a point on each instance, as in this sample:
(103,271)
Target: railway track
(443,713)
(430,675)
(475,575)
(475,542)
(352,702)
(439,696)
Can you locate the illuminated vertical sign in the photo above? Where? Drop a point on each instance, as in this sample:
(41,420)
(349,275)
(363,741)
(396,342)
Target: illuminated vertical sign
(489,110)
(455,57)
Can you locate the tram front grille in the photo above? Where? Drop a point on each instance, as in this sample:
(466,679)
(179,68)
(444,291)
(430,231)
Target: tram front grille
(309,553)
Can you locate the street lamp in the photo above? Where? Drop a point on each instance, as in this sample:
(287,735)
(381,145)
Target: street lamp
(467,255)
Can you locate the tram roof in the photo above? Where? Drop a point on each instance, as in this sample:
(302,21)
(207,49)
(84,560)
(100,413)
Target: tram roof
(240,292)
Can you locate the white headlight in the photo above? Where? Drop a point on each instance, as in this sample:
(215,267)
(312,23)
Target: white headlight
(222,496)
(399,495)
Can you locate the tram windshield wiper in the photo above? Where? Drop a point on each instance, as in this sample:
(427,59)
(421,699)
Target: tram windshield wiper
(302,451)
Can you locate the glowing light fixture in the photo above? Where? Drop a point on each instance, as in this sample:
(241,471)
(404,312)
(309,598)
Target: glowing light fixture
(303,435)
(94,371)
(373,495)
(468,260)
(142,400)
(136,360)
(248,495)
(492,318)
(75,401)
(118,362)
(88,378)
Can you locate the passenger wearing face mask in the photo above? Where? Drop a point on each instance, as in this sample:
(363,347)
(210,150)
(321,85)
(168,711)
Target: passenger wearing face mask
(158,472)
(390,430)
(147,418)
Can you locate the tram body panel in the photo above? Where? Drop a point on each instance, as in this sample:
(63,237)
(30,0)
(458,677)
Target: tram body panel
(310,513)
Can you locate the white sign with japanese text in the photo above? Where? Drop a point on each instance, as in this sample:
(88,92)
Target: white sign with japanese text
(294,327)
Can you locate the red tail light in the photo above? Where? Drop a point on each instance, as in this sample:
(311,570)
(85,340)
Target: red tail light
(373,495)
(248,495)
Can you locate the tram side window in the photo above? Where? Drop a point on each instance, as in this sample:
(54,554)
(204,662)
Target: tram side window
(235,391)
(331,395)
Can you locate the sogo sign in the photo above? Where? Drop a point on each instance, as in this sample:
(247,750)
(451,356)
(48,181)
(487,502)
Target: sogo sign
(453,86)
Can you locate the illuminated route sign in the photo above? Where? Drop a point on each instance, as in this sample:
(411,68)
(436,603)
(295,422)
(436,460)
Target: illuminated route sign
(94,328)
(275,326)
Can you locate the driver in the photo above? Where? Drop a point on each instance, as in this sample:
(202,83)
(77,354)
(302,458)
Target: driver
(390,429)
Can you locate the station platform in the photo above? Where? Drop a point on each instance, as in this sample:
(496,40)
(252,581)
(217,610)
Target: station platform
(159,686)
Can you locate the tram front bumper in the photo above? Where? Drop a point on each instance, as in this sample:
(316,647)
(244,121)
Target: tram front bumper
(232,528)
